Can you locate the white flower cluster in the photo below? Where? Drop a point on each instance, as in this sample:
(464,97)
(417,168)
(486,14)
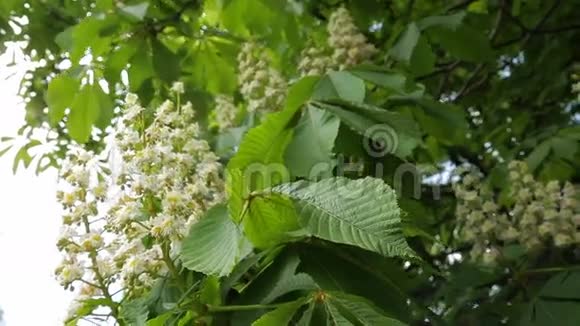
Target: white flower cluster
(87,255)
(541,214)
(169,178)
(225,112)
(261,86)
(349,44)
(313,62)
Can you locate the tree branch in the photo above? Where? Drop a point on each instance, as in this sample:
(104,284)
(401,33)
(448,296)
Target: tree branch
(528,33)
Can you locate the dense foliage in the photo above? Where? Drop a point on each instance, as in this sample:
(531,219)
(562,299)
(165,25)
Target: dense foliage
(254,162)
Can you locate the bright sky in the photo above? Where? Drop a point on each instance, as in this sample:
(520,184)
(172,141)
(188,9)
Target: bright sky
(29,226)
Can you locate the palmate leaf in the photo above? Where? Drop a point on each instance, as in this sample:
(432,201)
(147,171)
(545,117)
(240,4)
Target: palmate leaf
(354,310)
(270,220)
(266,143)
(340,85)
(58,97)
(214,244)
(312,143)
(339,308)
(259,164)
(278,279)
(361,213)
(399,132)
(556,303)
(281,315)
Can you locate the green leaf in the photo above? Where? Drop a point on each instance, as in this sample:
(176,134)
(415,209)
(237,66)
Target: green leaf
(300,92)
(259,161)
(5,150)
(165,62)
(359,311)
(211,68)
(23,156)
(398,121)
(423,59)
(479,7)
(556,303)
(361,213)
(405,46)
(266,143)
(281,315)
(444,121)
(210,292)
(84,112)
(141,67)
(395,133)
(118,60)
(450,21)
(270,220)
(160,320)
(213,245)
(565,285)
(547,313)
(389,80)
(185,320)
(87,34)
(272,282)
(137,12)
(135,312)
(59,97)
(106,109)
(466,43)
(312,143)
(565,147)
(340,85)
(379,279)
(537,156)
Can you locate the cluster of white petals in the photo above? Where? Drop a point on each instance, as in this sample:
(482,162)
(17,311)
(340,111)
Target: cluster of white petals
(314,62)
(540,216)
(225,112)
(350,46)
(122,232)
(261,86)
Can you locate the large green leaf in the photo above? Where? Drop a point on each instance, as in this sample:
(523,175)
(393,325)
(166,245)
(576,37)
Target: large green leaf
(165,62)
(59,97)
(450,21)
(281,315)
(266,143)
(214,244)
(423,59)
(312,144)
(556,303)
(259,164)
(135,12)
(405,46)
(340,85)
(135,312)
(359,311)
(84,112)
(465,42)
(385,131)
(88,34)
(212,69)
(379,279)
(361,213)
(278,279)
(391,80)
(269,220)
